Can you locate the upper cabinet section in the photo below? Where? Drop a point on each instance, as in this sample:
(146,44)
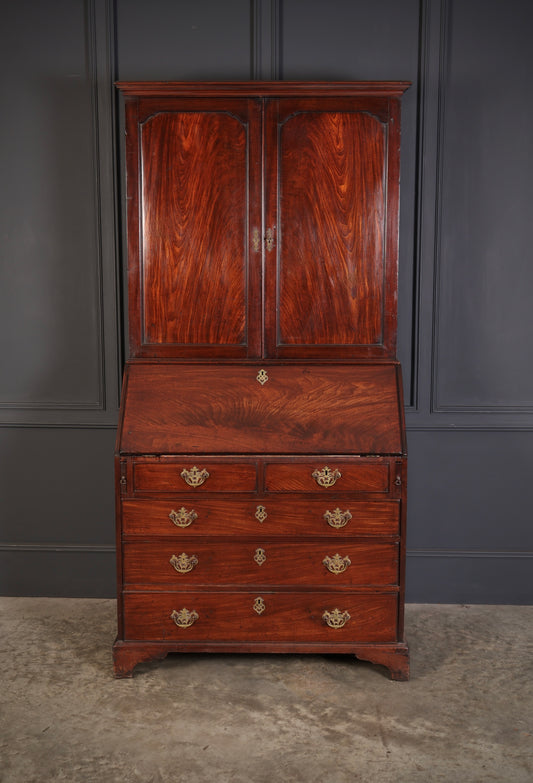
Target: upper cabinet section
(262,219)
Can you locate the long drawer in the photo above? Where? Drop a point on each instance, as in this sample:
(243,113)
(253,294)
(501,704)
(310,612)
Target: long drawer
(320,563)
(248,616)
(337,516)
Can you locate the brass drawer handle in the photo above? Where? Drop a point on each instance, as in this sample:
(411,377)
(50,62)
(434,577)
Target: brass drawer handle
(337,518)
(259,605)
(194,477)
(260,556)
(261,513)
(183,518)
(336,564)
(183,563)
(335,618)
(184,618)
(326,477)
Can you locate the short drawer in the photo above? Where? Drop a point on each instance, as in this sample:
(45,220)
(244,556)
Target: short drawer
(193,475)
(261,562)
(338,516)
(261,616)
(328,476)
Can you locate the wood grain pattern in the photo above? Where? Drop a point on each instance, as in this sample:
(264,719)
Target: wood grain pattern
(262,229)
(331,229)
(301,409)
(156,477)
(194,198)
(232,563)
(285,517)
(288,616)
(356,476)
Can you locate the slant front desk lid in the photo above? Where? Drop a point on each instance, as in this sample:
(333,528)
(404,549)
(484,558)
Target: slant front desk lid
(251,409)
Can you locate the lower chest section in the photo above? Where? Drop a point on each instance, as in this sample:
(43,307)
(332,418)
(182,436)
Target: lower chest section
(248,549)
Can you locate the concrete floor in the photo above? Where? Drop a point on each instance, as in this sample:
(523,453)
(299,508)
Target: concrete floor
(466,716)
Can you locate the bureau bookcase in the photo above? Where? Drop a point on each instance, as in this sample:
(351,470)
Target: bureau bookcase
(261,455)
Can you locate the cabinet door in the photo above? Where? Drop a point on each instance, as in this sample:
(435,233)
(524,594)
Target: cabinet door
(194,200)
(332,197)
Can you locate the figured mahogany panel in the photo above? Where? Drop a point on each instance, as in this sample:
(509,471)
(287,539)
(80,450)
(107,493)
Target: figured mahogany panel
(331,229)
(313,409)
(286,617)
(260,562)
(194,219)
(332,189)
(261,516)
(194,197)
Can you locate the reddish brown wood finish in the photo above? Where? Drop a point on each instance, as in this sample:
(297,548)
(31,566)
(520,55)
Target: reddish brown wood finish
(262,236)
(194,193)
(231,617)
(166,89)
(194,183)
(284,517)
(196,189)
(331,409)
(233,563)
(326,280)
(166,476)
(356,476)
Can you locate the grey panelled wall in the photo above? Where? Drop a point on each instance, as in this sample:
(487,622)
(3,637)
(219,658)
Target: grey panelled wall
(466,275)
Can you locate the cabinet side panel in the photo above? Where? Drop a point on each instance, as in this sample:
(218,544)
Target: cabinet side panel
(194,206)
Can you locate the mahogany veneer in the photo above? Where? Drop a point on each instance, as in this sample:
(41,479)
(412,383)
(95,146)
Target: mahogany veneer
(261,455)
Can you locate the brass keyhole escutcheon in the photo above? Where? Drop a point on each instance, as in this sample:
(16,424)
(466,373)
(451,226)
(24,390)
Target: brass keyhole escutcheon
(261,513)
(259,605)
(262,377)
(260,556)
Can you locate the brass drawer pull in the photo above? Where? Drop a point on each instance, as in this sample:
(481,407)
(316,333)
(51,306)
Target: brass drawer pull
(261,513)
(259,605)
(260,556)
(183,518)
(326,477)
(194,477)
(337,518)
(183,563)
(336,564)
(183,618)
(336,618)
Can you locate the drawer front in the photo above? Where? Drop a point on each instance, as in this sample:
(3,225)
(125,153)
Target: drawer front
(260,616)
(327,476)
(336,516)
(263,562)
(195,476)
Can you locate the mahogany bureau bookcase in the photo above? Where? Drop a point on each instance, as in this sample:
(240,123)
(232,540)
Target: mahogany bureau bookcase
(261,453)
